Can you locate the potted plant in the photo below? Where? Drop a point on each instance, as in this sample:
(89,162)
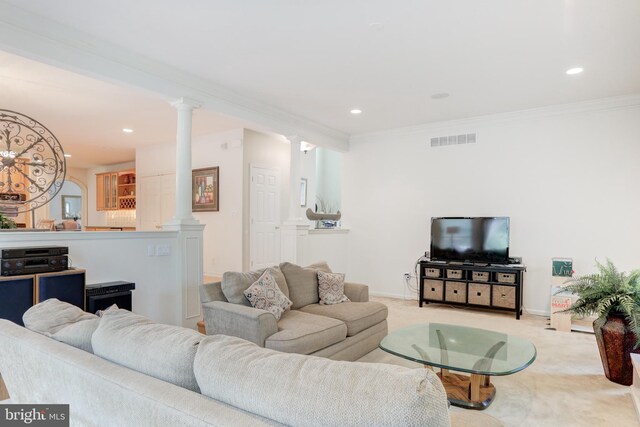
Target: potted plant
(615,297)
(6,222)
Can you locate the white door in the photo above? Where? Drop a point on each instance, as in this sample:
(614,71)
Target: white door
(149,202)
(264,217)
(156,201)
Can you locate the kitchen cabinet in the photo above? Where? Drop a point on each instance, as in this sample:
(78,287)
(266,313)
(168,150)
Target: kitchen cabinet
(116,190)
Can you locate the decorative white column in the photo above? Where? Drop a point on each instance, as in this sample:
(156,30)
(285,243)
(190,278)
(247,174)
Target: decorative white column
(183,214)
(295,175)
(190,232)
(294,231)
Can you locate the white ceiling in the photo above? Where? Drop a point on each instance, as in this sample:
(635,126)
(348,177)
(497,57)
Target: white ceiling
(87,115)
(320,59)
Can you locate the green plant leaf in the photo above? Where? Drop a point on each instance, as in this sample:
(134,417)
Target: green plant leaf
(605,293)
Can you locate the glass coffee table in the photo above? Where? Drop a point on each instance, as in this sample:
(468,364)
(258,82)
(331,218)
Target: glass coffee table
(478,352)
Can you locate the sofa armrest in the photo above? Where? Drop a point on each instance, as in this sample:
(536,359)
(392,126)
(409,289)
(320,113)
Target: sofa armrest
(240,321)
(356,292)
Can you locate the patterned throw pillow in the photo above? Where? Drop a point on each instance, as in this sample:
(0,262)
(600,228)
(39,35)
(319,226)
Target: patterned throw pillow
(331,288)
(101,313)
(266,295)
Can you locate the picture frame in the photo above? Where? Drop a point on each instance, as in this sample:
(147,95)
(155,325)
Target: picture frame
(303,192)
(205,194)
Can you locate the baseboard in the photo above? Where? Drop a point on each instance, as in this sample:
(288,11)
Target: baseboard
(396,296)
(415,298)
(543,313)
(635,396)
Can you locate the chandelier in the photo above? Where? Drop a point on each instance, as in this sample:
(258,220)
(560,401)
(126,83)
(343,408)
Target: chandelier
(32,163)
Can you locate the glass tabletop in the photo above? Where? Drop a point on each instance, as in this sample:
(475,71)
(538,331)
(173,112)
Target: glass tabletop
(460,348)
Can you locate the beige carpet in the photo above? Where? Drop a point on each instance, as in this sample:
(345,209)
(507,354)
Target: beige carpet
(565,385)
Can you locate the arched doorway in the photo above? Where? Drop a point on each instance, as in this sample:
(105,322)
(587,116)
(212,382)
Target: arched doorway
(69,203)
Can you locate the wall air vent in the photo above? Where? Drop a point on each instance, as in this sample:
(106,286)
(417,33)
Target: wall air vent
(467,138)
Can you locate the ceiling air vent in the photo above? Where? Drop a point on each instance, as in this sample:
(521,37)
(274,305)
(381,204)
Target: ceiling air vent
(467,138)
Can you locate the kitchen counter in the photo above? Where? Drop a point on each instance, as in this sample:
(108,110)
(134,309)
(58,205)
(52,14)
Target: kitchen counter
(107,228)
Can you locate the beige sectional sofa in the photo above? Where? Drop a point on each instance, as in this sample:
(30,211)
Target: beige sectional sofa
(345,331)
(146,374)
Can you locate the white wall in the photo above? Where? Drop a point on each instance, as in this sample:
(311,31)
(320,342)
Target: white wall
(569,182)
(111,256)
(223,229)
(308,171)
(329,179)
(269,151)
(104,218)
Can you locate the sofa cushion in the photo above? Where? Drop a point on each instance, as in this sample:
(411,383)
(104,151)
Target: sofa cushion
(303,282)
(165,352)
(234,284)
(299,390)
(63,322)
(265,295)
(305,333)
(52,315)
(78,334)
(358,316)
(331,288)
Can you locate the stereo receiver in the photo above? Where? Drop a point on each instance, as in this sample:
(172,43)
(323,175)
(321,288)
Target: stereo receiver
(22,266)
(33,251)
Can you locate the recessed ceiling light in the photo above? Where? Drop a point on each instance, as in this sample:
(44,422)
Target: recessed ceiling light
(67,155)
(356,111)
(441,95)
(127,130)
(576,70)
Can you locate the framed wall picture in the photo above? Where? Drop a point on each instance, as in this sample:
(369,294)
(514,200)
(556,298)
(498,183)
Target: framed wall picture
(303,192)
(206,190)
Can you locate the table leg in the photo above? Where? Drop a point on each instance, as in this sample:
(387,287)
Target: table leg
(468,391)
(4,394)
(474,389)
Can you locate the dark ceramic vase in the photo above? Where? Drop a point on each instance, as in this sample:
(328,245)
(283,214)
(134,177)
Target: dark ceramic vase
(615,342)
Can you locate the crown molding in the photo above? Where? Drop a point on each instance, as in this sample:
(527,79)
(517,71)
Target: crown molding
(614,103)
(39,38)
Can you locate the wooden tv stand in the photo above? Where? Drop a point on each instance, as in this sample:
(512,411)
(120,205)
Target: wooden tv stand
(497,287)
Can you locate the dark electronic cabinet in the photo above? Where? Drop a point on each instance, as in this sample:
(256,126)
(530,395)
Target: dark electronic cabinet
(101,296)
(496,287)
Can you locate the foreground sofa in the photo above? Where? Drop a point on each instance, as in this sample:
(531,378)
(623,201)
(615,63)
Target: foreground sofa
(345,331)
(226,381)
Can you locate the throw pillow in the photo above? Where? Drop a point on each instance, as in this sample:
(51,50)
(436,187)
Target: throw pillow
(266,295)
(331,288)
(234,284)
(101,313)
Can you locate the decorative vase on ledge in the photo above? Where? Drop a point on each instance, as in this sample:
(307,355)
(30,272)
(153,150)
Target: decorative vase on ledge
(616,342)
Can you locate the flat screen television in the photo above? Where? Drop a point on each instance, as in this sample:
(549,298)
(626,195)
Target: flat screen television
(479,239)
